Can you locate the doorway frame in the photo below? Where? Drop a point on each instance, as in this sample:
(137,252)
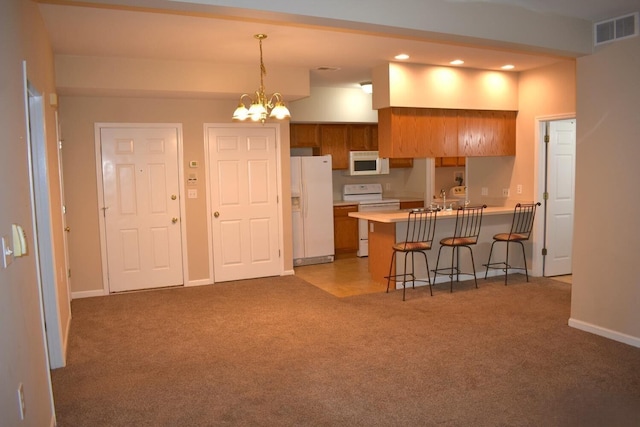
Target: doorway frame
(537,259)
(100,188)
(43,241)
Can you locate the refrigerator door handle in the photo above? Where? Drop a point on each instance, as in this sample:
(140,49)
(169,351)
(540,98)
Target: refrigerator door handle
(305,199)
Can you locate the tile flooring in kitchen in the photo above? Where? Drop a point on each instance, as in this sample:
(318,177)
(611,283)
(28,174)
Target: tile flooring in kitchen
(350,276)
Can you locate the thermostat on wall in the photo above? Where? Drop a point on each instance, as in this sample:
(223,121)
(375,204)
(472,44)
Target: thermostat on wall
(193,164)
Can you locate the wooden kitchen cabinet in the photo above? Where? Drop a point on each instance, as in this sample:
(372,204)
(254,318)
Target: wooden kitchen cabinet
(338,139)
(400,163)
(333,141)
(304,135)
(450,161)
(345,231)
(363,137)
(412,204)
(486,133)
(417,132)
(432,132)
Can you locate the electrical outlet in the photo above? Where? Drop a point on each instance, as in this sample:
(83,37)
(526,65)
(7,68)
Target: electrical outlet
(485,191)
(519,188)
(21,405)
(505,192)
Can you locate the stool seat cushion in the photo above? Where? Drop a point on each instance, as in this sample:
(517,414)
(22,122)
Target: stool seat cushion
(412,246)
(506,237)
(458,241)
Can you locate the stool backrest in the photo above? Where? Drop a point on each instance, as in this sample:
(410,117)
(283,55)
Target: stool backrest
(523,216)
(421,226)
(468,222)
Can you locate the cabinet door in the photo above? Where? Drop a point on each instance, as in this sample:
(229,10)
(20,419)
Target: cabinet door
(441,127)
(333,140)
(486,133)
(417,132)
(448,161)
(304,135)
(399,134)
(414,204)
(360,138)
(400,163)
(345,230)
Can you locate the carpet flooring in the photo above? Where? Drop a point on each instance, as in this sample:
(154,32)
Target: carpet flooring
(281,352)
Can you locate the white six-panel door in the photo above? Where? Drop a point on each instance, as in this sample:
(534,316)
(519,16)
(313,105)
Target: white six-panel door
(243,192)
(141,207)
(561,189)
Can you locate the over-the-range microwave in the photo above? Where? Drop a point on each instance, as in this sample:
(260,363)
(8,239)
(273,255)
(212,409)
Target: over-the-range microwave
(367,163)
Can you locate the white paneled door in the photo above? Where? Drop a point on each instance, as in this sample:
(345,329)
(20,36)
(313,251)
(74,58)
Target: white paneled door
(141,207)
(243,186)
(560,187)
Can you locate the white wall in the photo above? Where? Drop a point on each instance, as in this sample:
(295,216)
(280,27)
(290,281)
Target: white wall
(23,356)
(606,285)
(334,105)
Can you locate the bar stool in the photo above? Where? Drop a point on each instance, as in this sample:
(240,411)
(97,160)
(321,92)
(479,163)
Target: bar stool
(421,227)
(466,232)
(521,226)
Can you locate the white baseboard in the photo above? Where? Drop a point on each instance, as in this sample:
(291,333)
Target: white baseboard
(288,273)
(199,282)
(88,294)
(604,332)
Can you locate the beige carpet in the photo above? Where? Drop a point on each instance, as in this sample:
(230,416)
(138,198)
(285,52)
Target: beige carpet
(280,351)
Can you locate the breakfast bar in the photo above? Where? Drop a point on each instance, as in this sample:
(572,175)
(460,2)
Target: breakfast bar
(387,228)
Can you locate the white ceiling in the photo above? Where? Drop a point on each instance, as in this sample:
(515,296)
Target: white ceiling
(120,32)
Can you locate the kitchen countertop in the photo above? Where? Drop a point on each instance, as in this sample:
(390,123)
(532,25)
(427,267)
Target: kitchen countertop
(401,216)
(402,199)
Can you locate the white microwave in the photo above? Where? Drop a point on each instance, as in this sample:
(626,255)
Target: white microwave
(367,163)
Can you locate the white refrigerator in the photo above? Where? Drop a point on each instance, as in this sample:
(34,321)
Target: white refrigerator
(312,209)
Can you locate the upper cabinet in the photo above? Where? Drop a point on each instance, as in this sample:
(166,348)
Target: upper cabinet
(428,132)
(304,135)
(338,139)
(486,133)
(363,137)
(334,141)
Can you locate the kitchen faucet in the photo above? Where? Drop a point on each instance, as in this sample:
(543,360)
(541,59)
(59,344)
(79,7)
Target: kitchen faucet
(443,195)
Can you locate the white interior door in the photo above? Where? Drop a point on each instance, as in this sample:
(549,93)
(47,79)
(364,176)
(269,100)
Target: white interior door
(560,188)
(141,207)
(243,186)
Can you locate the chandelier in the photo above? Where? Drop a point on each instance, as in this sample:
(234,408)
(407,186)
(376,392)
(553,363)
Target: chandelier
(262,105)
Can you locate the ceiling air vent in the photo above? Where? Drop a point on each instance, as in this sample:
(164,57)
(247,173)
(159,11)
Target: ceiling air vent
(616,29)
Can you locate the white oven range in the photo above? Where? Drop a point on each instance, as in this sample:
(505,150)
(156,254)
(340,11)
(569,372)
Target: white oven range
(369,199)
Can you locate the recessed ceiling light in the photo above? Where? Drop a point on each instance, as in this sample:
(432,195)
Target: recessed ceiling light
(457,62)
(508,67)
(402,56)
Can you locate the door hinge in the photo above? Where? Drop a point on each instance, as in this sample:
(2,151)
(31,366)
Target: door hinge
(69,273)
(544,251)
(546,139)
(545,196)
(278,253)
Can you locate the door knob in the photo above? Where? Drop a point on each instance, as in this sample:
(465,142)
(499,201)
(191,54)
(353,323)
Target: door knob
(174,220)
(216,214)
(67,229)
(173,197)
